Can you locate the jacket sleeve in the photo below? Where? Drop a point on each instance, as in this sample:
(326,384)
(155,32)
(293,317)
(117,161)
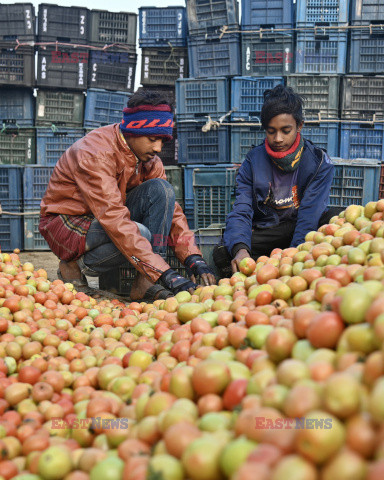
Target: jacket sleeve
(97,183)
(314,202)
(181,238)
(239,221)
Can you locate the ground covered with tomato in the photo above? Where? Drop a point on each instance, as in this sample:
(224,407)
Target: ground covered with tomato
(276,373)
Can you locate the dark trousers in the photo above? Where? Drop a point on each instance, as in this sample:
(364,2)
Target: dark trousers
(264,240)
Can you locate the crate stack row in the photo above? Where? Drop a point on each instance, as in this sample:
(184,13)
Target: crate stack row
(308,45)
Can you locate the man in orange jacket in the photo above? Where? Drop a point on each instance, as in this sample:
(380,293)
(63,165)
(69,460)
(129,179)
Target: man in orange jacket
(108,203)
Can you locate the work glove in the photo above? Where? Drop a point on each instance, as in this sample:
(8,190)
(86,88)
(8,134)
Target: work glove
(175,282)
(197,267)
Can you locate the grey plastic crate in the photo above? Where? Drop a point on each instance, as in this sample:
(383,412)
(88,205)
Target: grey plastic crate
(320,92)
(113,27)
(210,15)
(367,10)
(59,108)
(367,49)
(362,97)
(271,54)
(163,66)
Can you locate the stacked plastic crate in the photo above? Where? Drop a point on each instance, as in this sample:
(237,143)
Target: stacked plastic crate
(111,72)
(163,40)
(17,112)
(204,149)
(362,100)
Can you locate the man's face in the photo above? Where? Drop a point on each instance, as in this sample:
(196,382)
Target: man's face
(145,148)
(281,132)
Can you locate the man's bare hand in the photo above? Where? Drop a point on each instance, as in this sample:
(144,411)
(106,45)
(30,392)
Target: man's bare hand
(239,256)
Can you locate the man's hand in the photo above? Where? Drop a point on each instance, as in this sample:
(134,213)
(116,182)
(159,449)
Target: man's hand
(197,267)
(239,256)
(176,283)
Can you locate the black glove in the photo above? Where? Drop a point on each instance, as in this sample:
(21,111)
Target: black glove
(175,282)
(197,266)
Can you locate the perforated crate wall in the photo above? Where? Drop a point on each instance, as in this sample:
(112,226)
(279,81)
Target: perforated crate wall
(362,141)
(354,183)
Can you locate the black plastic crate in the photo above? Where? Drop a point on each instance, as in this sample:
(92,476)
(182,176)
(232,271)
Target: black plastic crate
(119,280)
(211,15)
(362,10)
(112,69)
(62,67)
(320,93)
(163,66)
(212,56)
(17,66)
(63,24)
(17,21)
(107,28)
(362,97)
(59,108)
(270,54)
(169,152)
(17,146)
(367,49)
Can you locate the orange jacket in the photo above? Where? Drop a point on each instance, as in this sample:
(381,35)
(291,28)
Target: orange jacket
(92,176)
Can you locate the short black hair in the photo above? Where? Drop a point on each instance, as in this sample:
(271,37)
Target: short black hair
(280,100)
(144,96)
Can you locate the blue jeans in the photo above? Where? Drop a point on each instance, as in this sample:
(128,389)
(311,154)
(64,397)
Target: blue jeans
(151,206)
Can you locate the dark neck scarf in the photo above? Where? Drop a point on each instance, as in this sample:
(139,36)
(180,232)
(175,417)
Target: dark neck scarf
(289,160)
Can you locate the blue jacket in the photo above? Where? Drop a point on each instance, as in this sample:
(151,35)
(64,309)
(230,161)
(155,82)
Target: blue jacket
(253,181)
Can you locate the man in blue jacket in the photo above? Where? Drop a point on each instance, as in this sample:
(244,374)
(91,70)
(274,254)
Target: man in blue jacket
(282,189)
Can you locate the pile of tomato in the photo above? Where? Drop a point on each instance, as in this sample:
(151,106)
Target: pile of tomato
(275,373)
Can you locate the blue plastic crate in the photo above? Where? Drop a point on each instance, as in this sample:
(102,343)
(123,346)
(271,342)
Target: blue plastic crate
(188,180)
(162,27)
(323,52)
(243,138)
(214,194)
(354,182)
(214,57)
(362,141)
(266,14)
(112,69)
(211,15)
(17,107)
(103,107)
(270,54)
(33,240)
(52,144)
(312,12)
(196,146)
(324,135)
(11,192)
(367,10)
(366,54)
(11,235)
(35,181)
(198,98)
(247,95)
